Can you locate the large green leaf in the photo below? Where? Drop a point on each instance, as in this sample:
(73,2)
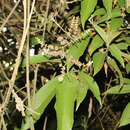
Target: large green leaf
(91,84)
(125,117)
(98,61)
(65,97)
(87,7)
(81,92)
(40,102)
(108,6)
(119,89)
(115,52)
(35,60)
(96,43)
(75,51)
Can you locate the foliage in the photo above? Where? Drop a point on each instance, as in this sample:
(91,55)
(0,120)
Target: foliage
(95,39)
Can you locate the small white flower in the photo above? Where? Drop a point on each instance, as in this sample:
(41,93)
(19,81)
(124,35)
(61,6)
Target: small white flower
(15,1)
(1,49)
(10,40)
(89,63)
(46,80)
(4,29)
(60,65)
(5,48)
(7,65)
(11,68)
(11,43)
(32,52)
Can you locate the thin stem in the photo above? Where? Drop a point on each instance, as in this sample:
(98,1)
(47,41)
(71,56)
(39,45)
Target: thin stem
(46,15)
(12,81)
(12,11)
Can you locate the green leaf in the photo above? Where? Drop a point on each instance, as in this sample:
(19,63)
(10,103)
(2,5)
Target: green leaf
(128,6)
(96,43)
(81,93)
(128,10)
(108,5)
(91,84)
(74,10)
(116,12)
(126,80)
(119,89)
(100,11)
(36,59)
(45,94)
(124,39)
(16,128)
(127,56)
(125,117)
(101,32)
(116,23)
(111,35)
(87,7)
(122,46)
(127,40)
(36,39)
(115,52)
(114,66)
(106,36)
(40,102)
(127,3)
(65,99)
(128,68)
(122,3)
(98,61)
(75,51)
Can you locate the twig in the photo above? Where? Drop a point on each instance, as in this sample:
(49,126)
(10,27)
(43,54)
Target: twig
(3,123)
(27,56)
(62,29)
(27,8)
(34,84)
(3,72)
(45,122)
(12,81)
(9,15)
(46,15)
